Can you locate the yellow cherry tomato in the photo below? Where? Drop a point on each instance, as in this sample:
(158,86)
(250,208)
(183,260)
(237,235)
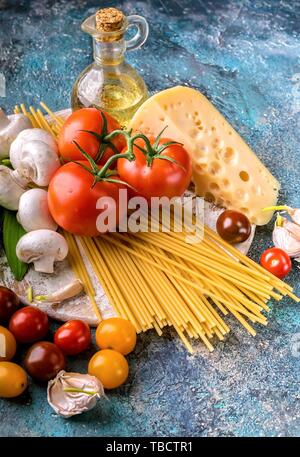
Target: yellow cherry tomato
(116,333)
(13,380)
(110,367)
(8,345)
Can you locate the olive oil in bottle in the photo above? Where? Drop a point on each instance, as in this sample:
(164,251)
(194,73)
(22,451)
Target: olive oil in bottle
(109,82)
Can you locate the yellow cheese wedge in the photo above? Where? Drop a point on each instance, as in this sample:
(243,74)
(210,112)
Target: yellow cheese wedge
(225,170)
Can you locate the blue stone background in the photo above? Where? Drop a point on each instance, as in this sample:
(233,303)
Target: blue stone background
(245,56)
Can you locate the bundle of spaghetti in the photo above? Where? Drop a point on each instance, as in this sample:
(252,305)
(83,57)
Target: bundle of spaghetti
(233,300)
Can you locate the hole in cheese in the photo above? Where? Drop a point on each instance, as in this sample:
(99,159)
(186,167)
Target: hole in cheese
(257,190)
(214,186)
(229,155)
(215,168)
(200,168)
(241,194)
(226,183)
(244,210)
(193,132)
(244,176)
(209,197)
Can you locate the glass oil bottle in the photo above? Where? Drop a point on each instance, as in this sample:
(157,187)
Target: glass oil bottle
(110,83)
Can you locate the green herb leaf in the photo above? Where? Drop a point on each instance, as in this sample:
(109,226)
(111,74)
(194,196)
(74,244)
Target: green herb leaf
(12,232)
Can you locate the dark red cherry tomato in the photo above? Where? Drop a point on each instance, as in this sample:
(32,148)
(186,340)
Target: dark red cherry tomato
(44,360)
(276,261)
(73,337)
(233,227)
(29,324)
(9,303)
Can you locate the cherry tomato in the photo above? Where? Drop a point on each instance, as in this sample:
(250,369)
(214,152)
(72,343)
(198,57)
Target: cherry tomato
(276,261)
(13,380)
(116,333)
(8,344)
(73,337)
(88,119)
(44,360)
(72,200)
(233,227)
(110,367)
(29,324)
(161,178)
(9,303)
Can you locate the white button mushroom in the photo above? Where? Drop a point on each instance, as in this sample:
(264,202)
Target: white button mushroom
(34,212)
(11,189)
(10,127)
(34,156)
(42,248)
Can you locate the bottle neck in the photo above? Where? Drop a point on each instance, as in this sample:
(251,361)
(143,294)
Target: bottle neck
(109,52)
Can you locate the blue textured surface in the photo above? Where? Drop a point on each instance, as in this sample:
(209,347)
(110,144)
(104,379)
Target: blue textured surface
(244,55)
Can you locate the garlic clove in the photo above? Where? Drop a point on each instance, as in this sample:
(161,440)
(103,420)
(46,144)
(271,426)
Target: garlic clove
(70,394)
(285,240)
(65,293)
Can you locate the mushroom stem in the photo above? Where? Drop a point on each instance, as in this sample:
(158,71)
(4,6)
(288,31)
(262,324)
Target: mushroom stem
(44,264)
(21,180)
(42,247)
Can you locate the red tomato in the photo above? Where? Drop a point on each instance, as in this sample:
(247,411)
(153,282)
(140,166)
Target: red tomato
(276,261)
(88,119)
(162,177)
(72,199)
(29,324)
(9,303)
(44,360)
(73,337)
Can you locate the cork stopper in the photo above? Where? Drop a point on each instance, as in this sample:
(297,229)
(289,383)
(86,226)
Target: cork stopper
(110,20)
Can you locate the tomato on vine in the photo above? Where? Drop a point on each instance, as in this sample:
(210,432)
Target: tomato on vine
(89,127)
(74,193)
(161,167)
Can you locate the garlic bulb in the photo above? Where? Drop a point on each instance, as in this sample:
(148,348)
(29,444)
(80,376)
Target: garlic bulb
(293,212)
(295,215)
(70,394)
(285,240)
(293,228)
